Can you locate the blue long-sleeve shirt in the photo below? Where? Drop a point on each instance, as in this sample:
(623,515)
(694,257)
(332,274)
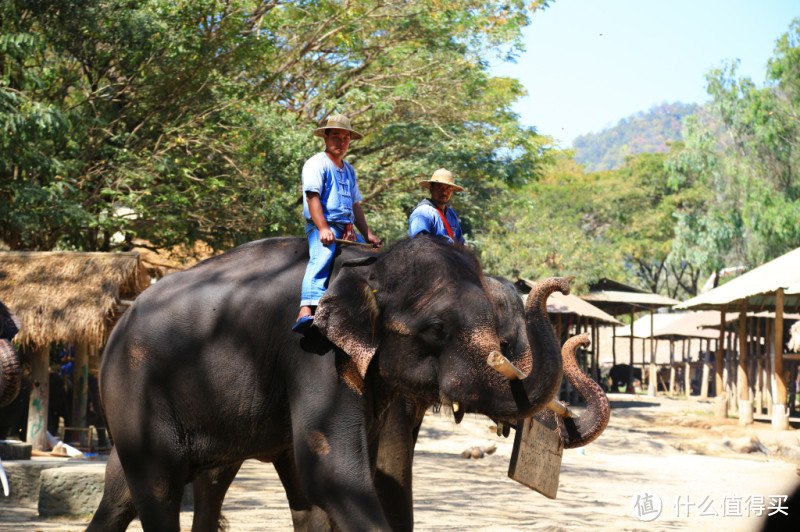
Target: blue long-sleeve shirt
(425,219)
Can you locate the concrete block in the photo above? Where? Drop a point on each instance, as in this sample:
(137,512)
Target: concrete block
(23,480)
(74,490)
(15,450)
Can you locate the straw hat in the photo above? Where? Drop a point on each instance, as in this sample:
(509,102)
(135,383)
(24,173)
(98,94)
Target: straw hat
(441,176)
(338,122)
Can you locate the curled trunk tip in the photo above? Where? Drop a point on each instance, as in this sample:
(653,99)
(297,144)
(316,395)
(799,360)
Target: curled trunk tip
(537,299)
(582,430)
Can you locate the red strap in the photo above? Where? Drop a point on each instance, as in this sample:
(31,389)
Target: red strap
(446,225)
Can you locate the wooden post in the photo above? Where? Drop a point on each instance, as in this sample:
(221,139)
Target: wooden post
(630,377)
(652,385)
(671,365)
(720,387)
(704,377)
(595,350)
(687,379)
(39,400)
(780,416)
(614,344)
(742,379)
(80,392)
(769,359)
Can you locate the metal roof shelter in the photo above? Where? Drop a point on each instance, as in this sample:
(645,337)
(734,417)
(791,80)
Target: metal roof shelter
(582,314)
(618,298)
(677,325)
(773,286)
(559,303)
(756,289)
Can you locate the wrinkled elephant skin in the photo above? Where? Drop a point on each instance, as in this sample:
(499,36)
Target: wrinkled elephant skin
(203,372)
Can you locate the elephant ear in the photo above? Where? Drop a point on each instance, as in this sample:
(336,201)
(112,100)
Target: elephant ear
(347,315)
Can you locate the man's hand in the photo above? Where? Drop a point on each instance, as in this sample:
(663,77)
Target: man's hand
(326,236)
(374,240)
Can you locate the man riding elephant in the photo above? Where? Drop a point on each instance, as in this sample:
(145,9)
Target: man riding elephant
(432,216)
(331,206)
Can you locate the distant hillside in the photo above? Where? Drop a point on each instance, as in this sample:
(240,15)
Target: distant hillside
(643,132)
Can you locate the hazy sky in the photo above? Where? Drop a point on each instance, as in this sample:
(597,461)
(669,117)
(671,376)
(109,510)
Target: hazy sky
(589,63)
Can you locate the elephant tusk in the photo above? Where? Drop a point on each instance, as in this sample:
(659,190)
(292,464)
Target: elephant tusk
(499,363)
(455,406)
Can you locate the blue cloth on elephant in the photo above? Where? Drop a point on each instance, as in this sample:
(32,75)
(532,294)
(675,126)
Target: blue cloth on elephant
(337,188)
(426,219)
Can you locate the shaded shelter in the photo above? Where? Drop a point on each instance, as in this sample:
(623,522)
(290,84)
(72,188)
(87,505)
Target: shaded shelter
(570,311)
(66,297)
(617,298)
(775,287)
(683,327)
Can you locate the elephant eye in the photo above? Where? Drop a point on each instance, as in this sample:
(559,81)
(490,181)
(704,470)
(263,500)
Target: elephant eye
(435,333)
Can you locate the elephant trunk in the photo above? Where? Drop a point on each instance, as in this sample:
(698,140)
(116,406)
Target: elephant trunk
(579,431)
(9,360)
(534,392)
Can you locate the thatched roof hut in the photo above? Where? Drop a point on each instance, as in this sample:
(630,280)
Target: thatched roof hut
(68,296)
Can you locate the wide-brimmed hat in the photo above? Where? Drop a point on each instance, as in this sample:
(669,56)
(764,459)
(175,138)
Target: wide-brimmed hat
(441,176)
(338,122)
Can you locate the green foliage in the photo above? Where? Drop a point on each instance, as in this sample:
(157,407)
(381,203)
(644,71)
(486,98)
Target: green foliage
(644,132)
(751,210)
(184,121)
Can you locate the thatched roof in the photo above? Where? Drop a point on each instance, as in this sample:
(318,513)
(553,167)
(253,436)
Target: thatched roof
(68,296)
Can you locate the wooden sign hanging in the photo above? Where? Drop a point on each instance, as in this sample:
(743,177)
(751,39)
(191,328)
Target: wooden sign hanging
(536,457)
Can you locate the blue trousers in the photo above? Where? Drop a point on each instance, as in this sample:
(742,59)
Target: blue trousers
(318,271)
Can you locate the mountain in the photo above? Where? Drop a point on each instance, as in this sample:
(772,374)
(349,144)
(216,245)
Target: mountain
(646,131)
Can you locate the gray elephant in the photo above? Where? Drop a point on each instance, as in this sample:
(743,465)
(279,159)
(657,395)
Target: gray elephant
(9,358)
(203,372)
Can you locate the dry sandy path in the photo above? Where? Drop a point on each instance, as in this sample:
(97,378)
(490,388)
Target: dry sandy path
(638,451)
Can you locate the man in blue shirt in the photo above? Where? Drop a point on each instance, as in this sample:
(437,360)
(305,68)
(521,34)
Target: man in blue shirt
(331,205)
(432,216)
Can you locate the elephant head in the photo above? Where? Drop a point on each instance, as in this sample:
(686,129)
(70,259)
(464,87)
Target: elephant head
(9,359)
(424,318)
(575,431)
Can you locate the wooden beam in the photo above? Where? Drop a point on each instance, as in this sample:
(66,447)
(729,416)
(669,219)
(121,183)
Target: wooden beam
(742,377)
(720,355)
(780,378)
(80,391)
(39,399)
(630,371)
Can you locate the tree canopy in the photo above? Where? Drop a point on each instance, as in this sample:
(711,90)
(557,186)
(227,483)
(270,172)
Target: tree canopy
(184,121)
(178,122)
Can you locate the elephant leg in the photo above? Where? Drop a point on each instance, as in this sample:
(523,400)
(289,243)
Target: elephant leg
(329,430)
(208,491)
(116,509)
(306,517)
(156,485)
(394,461)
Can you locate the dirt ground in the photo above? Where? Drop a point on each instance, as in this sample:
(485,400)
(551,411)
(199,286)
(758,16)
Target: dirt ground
(673,449)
